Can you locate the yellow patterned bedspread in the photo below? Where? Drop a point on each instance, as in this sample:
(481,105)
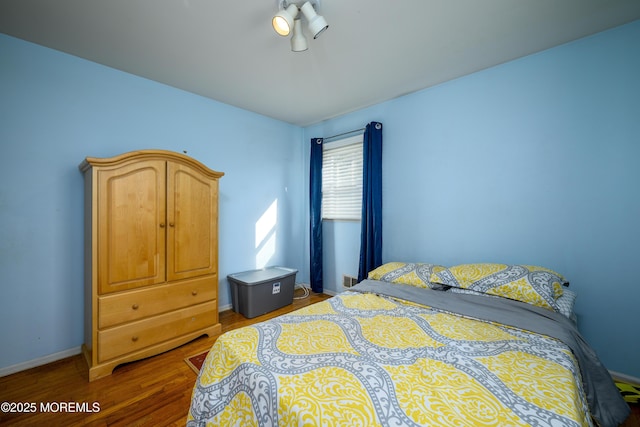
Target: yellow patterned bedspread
(366,360)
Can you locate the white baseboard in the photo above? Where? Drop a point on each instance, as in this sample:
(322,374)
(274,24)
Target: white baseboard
(624,377)
(39,361)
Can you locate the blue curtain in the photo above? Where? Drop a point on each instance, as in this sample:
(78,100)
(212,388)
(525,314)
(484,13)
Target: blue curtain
(371,225)
(315,197)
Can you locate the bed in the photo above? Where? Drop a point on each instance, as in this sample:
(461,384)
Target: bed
(415,344)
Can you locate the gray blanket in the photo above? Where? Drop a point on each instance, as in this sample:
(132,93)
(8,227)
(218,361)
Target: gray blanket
(607,406)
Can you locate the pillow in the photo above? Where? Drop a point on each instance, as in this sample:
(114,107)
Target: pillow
(565,302)
(531,284)
(414,274)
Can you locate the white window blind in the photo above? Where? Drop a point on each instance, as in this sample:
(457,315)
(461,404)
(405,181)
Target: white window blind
(342,179)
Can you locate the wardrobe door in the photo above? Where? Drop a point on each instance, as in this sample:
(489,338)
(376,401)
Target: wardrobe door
(192,233)
(131,225)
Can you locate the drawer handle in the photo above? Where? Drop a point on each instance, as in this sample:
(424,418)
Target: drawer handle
(135,306)
(134,338)
(194,293)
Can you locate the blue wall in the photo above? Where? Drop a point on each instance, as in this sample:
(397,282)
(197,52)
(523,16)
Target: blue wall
(534,161)
(55,110)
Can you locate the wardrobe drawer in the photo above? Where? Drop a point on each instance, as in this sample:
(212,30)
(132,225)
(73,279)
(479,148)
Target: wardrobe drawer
(124,339)
(133,305)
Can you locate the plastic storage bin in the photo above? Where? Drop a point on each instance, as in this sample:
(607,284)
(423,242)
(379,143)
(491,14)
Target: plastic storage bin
(258,292)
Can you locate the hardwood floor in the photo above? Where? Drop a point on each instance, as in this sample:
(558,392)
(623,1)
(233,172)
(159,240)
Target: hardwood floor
(151,392)
(634,418)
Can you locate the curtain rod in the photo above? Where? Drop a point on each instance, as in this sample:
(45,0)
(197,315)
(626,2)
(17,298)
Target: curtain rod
(342,134)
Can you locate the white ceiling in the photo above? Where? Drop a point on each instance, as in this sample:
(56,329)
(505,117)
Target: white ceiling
(373,50)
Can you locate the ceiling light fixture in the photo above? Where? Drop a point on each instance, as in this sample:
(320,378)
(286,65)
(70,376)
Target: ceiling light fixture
(317,23)
(284,22)
(298,40)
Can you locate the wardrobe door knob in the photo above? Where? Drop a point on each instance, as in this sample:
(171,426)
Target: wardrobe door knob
(162,225)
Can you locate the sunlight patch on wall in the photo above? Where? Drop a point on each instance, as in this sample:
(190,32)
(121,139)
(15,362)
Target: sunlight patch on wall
(266,235)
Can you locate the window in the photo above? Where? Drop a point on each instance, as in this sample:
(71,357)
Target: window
(342,179)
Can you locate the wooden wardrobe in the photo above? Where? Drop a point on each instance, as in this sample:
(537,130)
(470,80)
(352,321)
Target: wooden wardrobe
(151,255)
